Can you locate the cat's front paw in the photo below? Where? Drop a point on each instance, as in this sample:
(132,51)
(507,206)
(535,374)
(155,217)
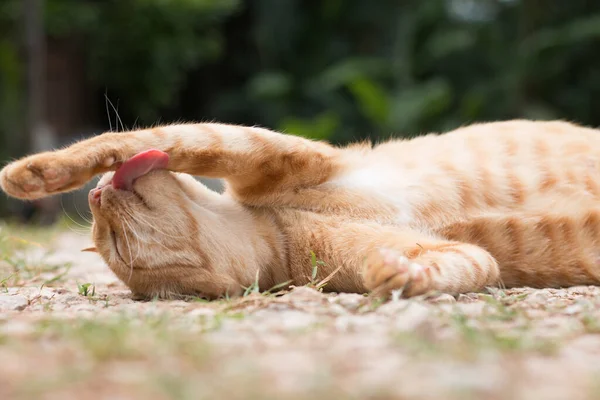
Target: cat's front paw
(44,174)
(35,176)
(388,270)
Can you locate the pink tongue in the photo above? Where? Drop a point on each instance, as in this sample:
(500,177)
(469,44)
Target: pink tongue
(139,165)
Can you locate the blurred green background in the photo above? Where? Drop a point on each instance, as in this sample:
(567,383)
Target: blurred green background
(340,70)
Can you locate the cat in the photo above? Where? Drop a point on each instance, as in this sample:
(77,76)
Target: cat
(513,203)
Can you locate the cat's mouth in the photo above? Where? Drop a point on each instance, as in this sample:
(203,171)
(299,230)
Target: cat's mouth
(132,169)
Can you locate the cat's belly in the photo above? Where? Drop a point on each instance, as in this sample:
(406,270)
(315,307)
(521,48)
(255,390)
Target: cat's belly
(378,183)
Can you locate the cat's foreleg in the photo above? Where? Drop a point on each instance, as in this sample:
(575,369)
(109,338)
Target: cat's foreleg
(251,159)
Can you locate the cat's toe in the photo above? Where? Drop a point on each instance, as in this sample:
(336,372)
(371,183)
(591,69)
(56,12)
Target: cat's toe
(32,178)
(53,177)
(388,270)
(19,182)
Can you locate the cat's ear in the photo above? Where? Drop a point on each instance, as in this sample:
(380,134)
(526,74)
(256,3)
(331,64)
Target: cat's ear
(90,249)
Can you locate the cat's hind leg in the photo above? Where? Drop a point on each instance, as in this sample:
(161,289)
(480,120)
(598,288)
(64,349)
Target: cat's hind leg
(555,248)
(385,258)
(444,266)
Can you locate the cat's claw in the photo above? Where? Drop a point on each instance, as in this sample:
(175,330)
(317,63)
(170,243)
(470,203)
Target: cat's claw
(388,270)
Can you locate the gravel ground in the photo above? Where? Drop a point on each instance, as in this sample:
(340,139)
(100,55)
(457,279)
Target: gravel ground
(63,339)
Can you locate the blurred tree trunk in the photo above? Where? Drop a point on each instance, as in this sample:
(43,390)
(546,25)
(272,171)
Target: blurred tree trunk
(38,136)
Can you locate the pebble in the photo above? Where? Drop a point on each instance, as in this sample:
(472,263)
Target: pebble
(443,298)
(13,303)
(304,293)
(472,309)
(350,301)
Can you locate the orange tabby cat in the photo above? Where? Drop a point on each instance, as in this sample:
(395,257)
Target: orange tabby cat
(513,203)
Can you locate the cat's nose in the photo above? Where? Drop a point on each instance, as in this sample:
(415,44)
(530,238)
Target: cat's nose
(95,196)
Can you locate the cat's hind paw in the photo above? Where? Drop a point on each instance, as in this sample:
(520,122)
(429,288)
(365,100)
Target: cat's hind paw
(387,270)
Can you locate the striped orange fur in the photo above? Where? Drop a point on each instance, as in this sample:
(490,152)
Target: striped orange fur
(514,203)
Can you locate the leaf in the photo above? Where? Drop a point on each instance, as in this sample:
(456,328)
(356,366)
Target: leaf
(418,102)
(349,70)
(270,85)
(574,31)
(447,42)
(313,262)
(84,289)
(372,99)
(320,128)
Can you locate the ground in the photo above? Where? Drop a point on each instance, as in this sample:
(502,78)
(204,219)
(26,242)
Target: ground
(70,330)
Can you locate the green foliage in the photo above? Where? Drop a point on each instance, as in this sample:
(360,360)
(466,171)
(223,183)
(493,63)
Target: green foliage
(253,288)
(10,95)
(11,75)
(340,70)
(86,289)
(141,50)
(345,70)
(17,268)
(321,127)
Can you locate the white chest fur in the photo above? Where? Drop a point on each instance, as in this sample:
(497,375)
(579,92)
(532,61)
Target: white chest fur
(392,186)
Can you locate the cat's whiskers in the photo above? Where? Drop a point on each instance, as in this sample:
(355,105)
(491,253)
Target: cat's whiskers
(78,232)
(129,249)
(86,219)
(137,237)
(143,220)
(85,229)
(128,218)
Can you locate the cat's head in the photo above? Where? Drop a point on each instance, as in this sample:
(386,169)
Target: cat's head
(146,229)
